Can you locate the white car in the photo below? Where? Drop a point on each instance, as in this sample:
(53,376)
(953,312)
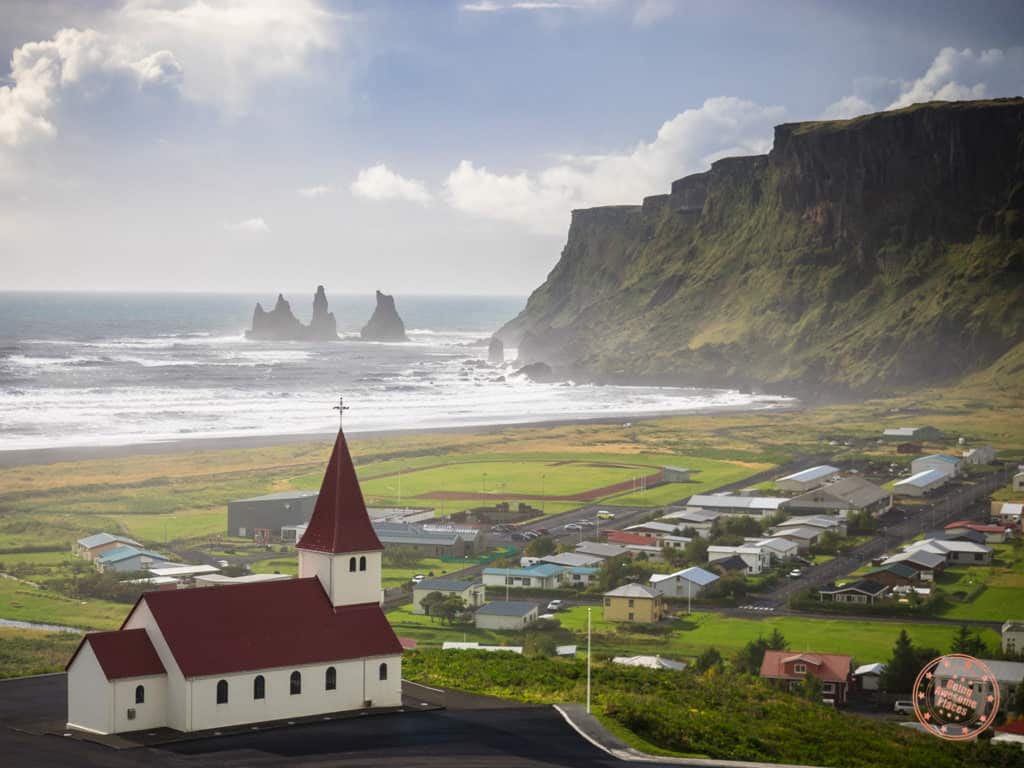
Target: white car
(903,707)
(554,606)
(573,527)
(418,578)
(796,573)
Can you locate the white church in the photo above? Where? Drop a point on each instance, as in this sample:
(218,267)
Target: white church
(193,659)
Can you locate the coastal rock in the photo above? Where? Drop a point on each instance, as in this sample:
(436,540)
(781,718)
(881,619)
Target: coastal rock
(496,351)
(280,324)
(384,324)
(540,372)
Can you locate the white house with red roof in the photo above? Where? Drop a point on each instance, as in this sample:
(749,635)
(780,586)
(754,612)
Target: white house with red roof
(193,659)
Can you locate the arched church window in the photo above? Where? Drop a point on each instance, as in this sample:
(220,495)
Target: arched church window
(296,683)
(259,687)
(362,563)
(140,694)
(352,564)
(383,671)
(331,679)
(222,691)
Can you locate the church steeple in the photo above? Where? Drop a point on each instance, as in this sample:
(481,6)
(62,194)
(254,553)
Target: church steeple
(340,546)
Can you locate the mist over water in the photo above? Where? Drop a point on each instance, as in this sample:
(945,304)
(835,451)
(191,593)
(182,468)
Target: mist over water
(108,369)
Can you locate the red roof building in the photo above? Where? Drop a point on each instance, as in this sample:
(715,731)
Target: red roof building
(193,659)
(625,537)
(790,669)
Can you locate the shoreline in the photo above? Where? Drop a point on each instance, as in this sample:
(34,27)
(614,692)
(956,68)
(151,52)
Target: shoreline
(21,457)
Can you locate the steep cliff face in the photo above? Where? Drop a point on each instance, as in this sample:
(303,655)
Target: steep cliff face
(857,257)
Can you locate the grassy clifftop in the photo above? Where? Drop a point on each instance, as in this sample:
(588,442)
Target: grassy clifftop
(858,257)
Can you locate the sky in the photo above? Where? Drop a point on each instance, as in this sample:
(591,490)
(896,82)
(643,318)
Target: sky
(418,146)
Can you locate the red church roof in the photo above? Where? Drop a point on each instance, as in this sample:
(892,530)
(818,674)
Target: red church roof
(260,626)
(340,522)
(125,653)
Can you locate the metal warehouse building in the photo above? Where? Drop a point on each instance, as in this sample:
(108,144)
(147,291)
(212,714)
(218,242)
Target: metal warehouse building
(271,511)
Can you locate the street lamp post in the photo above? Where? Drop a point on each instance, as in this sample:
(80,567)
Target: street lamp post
(588,658)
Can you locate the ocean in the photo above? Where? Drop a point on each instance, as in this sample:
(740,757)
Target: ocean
(119,369)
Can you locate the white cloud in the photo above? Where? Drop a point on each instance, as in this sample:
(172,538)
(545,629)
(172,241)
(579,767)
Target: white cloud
(311,193)
(953,75)
(215,51)
(256,226)
(687,143)
(650,12)
(643,12)
(379,182)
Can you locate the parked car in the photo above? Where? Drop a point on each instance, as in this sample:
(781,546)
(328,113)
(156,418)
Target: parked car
(604,514)
(573,527)
(418,578)
(554,606)
(796,573)
(586,523)
(531,534)
(903,707)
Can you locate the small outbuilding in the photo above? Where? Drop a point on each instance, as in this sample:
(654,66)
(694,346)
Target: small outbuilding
(868,677)
(1013,636)
(807,479)
(509,615)
(676,474)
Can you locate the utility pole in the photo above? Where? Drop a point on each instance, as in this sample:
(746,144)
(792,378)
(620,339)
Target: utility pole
(589,609)
(689,597)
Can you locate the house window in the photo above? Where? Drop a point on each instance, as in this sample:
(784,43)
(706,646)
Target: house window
(828,687)
(331,679)
(607,602)
(631,616)
(630,603)
(352,564)
(362,563)
(140,694)
(222,691)
(241,532)
(979,556)
(296,683)
(800,669)
(259,687)
(382,672)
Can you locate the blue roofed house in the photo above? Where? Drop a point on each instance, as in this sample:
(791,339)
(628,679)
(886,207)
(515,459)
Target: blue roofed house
(950,465)
(689,582)
(539,576)
(472,592)
(93,546)
(128,560)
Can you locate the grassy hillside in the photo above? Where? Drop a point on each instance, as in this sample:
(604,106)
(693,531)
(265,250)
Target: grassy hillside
(859,257)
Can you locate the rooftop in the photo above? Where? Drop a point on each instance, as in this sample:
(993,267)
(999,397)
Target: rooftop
(940,457)
(737,502)
(511,608)
(853,491)
(117,554)
(600,550)
(571,559)
(122,653)
(280,496)
(865,586)
(814,473)
(445,585)
(922,479)
(539,570)
(650,662)
(697,575)
(99,539)
(828,666)
(816,521)
(632,590)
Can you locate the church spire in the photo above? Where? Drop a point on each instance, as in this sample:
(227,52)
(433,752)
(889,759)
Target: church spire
(340,522)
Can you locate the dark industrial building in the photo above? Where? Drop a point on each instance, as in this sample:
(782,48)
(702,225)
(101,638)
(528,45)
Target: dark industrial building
(245,516)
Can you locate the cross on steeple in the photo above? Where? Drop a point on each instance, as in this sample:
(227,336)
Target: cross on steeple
(340,408)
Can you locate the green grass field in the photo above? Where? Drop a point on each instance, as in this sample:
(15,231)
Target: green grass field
(22,602)
(29,652)
(1003,596)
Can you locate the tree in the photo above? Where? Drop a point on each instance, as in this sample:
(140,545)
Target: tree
(750,656)
(811,688)
(777,641)
(905,663)
(696,551)
(542,546)
(709,658)
(968,642)
(451,609)
(431,603)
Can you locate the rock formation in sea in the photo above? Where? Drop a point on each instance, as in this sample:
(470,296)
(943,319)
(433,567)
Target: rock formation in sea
(541,372)
(280,324)
(384,324)
(496,351)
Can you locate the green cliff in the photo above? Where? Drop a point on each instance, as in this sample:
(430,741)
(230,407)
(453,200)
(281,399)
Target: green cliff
(858,257)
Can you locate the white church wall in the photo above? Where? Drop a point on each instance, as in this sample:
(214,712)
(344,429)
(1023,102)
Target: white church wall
(345,586)
(278,703)
(90,694)
(384,693)
(176,697)
(150,713)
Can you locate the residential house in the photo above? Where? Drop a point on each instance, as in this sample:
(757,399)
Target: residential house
(943,462)
(807,479)
(1013,636)
(1008,513)
(687,583)
(128,560)
(757,559)
(676,474)
(506,615)
(994,534)
(920,483)
(698,520)
(626,538)
(1018,481)
(471,592)
(790,669)
(779,548)
(895,575)
(927,564)
(868,677)
(93,546)
(1008,675)
(655,529)
(805,536)
(983,454)
(863,592)
(732,564)
(911,433)
(955,552)
(603,551)
(958,534)
(842,497)
(269,512)
(581,576)
(539,576)
(729,504)
(571,560)
(833,523)
(634,603)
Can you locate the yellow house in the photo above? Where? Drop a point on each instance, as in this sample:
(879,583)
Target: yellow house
(633,602)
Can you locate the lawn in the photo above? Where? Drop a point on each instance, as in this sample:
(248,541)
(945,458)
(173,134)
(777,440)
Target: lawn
(289,565)
(394,576)
(30,652)
(177,526)
(21,602)
(1003,595)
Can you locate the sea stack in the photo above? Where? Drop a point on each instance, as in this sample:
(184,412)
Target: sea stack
(280,324)
(496,351)
(385,324)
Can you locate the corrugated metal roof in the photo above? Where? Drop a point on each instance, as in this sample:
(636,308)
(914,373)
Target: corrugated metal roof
(632,590)
(511,608)
(445,585)
(922,479)
(813,473)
